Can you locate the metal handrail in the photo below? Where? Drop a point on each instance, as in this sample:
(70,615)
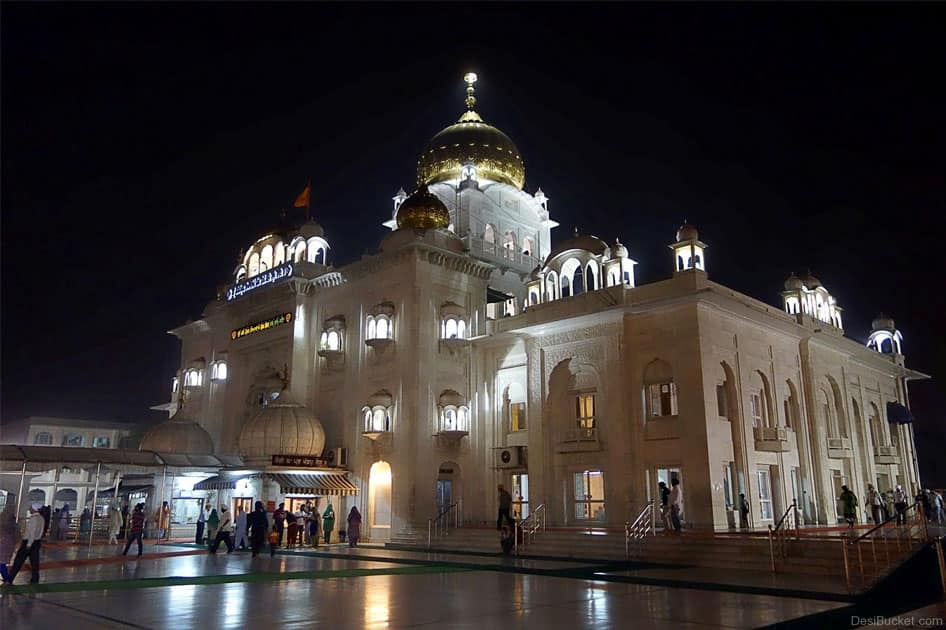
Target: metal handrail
(638,531)
(778,537)
(529,526)
(438,525)
(903,540)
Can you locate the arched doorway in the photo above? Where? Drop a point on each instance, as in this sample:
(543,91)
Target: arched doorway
(379,501)
(66,496)
(448,485)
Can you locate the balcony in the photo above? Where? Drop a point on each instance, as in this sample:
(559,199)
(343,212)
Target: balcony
(579,441)
(501,256)
(839,448)
(886,455)
(772,439)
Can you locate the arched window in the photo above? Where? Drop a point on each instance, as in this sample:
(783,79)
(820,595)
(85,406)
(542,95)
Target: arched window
(43,438)
(566,286)
(377,413)
(660,392)
(254,265)
(489,233)
(528,246)
(878,436)
(760,402)
(590,277)
(334,341)
(266,258)
(241,273)
(299,253)
(372,328)
(551,283)
(279,254)
(449,419)
(454,414)
(461,329)
(218,371)
(383,328)
(450,329)
(72,439)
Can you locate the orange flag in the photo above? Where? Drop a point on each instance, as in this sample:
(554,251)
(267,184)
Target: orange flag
(302,201)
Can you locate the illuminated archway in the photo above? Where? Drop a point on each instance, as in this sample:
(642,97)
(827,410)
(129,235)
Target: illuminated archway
(379,501)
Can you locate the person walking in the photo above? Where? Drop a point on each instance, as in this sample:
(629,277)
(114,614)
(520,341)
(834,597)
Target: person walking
(279,521)
(213,522)
(875,503)
(202,524)
(328,522)
(676,504)
(505,505)
(258,526)
(63,529)
(900,504)
(664,493)
(848,505)
(937,499)
(239,535)
(30,546)
(223,531)
(354,526)
(85,522)
(114,523)
(9,536)
(743,512)
(137,528)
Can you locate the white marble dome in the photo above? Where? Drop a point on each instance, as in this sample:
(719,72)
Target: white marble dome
(283,427)
(178,434)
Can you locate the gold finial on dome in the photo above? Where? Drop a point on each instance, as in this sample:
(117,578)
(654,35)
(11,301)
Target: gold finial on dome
(470,115)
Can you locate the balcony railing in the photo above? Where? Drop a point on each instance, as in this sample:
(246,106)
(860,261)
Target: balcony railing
(500,254)
(582,439)
(771,439)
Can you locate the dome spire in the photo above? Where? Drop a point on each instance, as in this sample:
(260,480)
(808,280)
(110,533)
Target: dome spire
(470,114)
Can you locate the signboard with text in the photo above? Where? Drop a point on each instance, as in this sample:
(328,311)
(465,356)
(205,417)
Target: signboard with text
(262,279)
(301,461)
(256,327)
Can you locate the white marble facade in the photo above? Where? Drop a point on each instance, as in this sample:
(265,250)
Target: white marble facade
(450,345)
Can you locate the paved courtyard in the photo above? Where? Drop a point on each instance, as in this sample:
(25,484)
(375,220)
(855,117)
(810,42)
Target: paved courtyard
(184,587)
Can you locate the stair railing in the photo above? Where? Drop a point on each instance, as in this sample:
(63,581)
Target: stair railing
(529,526)
(440,524)
(636,533)
(779,535)
(895,539)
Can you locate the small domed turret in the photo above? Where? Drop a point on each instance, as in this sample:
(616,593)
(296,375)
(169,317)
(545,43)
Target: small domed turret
(883,322)
(178,434)
(687,232)
(618,251)
(793,283)
(810,281)
(423,210)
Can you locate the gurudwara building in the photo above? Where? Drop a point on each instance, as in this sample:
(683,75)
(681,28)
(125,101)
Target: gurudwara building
(473,349)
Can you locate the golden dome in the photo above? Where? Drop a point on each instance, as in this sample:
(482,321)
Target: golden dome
(468,141)
(422,211)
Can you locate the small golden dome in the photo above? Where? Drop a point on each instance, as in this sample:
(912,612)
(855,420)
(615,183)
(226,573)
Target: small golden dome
(471,141)
(422,211)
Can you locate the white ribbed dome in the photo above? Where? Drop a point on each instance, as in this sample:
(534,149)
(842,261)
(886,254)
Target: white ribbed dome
(283,427)
(178,434)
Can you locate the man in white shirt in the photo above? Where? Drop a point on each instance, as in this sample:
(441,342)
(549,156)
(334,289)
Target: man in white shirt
(676,504)
(223,531)
(32,540)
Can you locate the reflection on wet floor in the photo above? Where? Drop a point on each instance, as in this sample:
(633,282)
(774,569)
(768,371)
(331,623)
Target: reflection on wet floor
(433,597)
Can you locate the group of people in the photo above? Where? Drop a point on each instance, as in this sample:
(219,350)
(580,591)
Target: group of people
(882,507)
(304,526)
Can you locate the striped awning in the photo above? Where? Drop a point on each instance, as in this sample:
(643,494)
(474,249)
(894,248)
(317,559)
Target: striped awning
(217,482)
(336,484)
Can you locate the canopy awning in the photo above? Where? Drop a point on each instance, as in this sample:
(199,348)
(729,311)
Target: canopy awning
(336,484)
(123,489)
(42,458)
(218,482)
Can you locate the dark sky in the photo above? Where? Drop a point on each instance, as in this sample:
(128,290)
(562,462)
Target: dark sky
(144,145)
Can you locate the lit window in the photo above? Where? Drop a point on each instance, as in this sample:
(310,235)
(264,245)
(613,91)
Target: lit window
(755,409)
(193,377)
(72,439)
(101,441)
(43,438)
(585,413)
(175,383)
(379,327)
(377,419)
(383,328)
(517,417)
(218,371)
(589,495)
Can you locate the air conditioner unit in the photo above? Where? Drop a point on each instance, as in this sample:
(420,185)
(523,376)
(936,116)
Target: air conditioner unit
(508,457)
(338,457)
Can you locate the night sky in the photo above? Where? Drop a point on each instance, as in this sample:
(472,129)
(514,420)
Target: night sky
(144,145)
